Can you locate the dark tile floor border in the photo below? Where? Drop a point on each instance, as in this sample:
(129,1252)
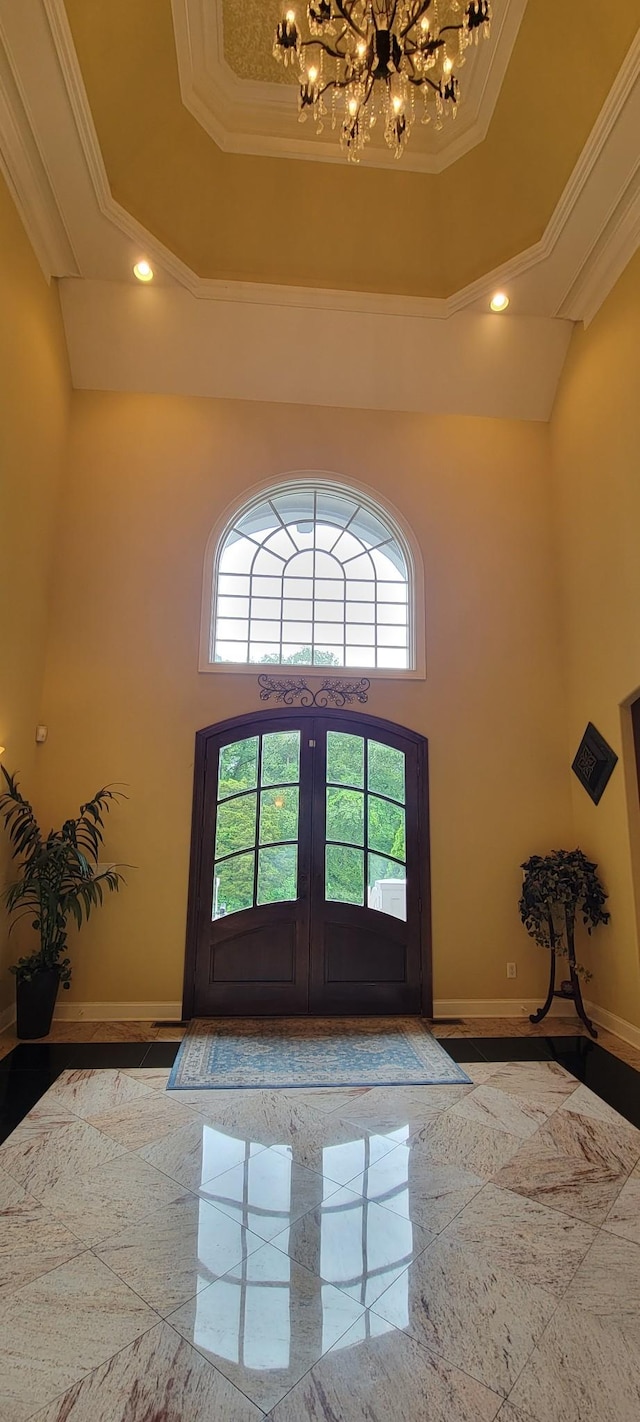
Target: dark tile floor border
(32,1067)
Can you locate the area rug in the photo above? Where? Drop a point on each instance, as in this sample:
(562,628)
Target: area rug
(277,1052)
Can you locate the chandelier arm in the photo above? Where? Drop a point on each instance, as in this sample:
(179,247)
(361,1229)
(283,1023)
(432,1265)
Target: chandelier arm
(324,46)
(411,47)
(417,83)
(346,11)
(420,10)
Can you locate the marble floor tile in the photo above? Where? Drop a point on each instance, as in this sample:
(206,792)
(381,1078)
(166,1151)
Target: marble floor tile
(89,1093)
(59,1327)
(177,1251)
(329,1098)
(138,1123)
(10,1190)
(545,1081)
(124,1032)
(110,1197)
(585,1368)
(69,1032)
(607,1283)
(409,1183)
(354,1243)
(509,1414)
(50,1145)
(154,1077)
(624,1216)
(539,1245)
(198,1152)
(385,1108)
(264,1325)
(501,1110)
(32,1241)
(583,1102)
(158,1378)
(576,1164)
(335,1149)
(267,1192)
(387,1378)
(320,1140)
(481,1318)
(472,1145)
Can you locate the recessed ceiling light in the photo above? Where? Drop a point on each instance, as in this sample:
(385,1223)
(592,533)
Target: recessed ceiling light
(143,271)
(500,301)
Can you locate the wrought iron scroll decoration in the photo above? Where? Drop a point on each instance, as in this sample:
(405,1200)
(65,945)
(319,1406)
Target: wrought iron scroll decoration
(294,691)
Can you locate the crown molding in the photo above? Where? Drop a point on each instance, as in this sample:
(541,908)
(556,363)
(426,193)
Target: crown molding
(251,116)
(27,178)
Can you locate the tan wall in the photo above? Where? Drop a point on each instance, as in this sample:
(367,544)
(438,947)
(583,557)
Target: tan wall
(595,434)
(34,397)
(148,477)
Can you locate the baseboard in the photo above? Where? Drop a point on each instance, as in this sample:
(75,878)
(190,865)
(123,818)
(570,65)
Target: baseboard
(493,1007)
(117,1011)
(442,1007)
(618,1025)
(7,1017)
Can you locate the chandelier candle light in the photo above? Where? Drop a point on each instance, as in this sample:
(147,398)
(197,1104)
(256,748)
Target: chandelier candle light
(372,58)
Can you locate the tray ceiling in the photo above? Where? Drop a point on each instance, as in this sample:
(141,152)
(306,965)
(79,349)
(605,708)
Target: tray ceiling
(255,218)
(247,102)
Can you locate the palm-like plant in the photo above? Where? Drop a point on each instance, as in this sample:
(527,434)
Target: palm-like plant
(58,875)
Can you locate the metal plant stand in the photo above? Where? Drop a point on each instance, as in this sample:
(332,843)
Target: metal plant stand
(570,993)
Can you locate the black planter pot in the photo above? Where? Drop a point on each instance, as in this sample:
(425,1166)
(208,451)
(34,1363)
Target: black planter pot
(35,1001)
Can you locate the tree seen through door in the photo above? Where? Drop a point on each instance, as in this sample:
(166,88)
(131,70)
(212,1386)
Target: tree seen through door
(256,840)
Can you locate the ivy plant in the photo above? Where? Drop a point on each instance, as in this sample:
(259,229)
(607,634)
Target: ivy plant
(556,888)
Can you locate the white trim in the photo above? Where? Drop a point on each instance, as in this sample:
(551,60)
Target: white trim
(327,480)
(27,178)
(261,117)
(117,1011)
(7,1017)
(494,1007)
(614,252)
(612,1023)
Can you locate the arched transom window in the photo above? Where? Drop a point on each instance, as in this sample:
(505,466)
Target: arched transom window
(312,575)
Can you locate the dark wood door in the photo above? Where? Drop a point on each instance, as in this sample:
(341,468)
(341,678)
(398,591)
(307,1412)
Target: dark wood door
(309,868)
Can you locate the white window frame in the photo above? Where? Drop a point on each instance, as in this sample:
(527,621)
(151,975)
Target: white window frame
(369,498)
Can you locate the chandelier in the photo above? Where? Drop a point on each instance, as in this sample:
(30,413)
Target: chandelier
(372,61)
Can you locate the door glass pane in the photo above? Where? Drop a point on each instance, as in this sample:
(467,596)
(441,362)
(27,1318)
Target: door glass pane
(233,885)
(344,875)
(345,758)
(386,771)
(387,887)
(236,825)
(278,874)
(280,757)
(238,768)
(386,827)
(345,815)
(279,814)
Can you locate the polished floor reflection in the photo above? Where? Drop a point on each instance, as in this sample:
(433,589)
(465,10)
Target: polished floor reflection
(459,1253)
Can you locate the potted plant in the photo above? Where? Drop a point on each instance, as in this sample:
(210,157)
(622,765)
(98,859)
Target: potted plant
(58,879)
(556,887)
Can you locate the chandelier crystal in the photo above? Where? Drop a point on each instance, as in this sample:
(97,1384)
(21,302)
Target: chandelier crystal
(366,62)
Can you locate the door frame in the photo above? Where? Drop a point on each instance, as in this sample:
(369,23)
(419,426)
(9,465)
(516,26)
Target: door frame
(352,720)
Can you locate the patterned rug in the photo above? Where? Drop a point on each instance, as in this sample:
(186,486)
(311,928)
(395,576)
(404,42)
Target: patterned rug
(313,1051)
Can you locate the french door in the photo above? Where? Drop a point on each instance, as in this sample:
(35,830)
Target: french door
(309,868)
